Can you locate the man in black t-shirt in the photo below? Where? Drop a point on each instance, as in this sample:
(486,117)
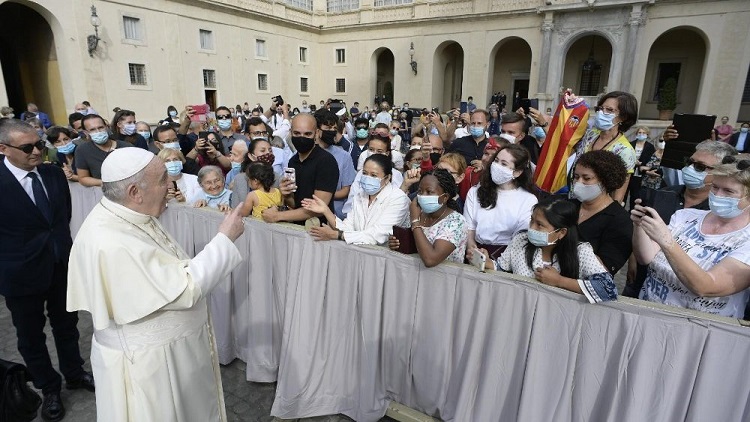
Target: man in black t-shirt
(316,173)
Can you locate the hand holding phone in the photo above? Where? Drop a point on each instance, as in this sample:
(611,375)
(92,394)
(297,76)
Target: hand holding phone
(478,259)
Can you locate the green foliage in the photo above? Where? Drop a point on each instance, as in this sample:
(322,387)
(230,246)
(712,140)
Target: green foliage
(668,95)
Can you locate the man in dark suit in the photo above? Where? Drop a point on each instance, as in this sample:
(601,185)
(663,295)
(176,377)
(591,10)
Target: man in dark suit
(741,139)
(35,244)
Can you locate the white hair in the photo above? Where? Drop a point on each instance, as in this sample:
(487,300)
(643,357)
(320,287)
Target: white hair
(118,191)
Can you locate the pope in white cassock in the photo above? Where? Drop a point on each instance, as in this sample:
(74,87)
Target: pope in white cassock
(153,351)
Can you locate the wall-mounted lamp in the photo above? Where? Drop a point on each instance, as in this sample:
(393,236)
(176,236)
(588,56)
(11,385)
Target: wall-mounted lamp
(412,62)
(93,40)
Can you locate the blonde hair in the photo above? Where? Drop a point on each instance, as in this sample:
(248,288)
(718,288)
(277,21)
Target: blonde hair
(736,167)
(644,128)
(165,153)
(455,160)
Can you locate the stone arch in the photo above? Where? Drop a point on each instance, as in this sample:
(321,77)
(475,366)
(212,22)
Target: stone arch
(509,67)
(447,75)
(577,51)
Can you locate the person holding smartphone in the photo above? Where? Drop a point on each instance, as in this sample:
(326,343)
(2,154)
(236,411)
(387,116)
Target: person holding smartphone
(551,252)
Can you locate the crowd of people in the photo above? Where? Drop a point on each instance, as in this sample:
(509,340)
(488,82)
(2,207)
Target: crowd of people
(461,182)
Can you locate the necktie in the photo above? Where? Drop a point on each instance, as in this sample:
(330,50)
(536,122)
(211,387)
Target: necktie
(40,197)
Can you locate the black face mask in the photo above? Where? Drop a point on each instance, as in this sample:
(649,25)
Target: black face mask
(303,145)
(328,136)
(435,157)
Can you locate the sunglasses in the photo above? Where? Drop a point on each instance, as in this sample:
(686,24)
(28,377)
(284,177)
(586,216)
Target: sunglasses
(700,167)
(741,164)
(29,148)
(223,116)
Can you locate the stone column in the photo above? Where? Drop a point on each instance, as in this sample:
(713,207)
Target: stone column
(637,16)
(544,60)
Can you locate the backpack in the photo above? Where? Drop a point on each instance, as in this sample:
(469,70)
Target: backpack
(18,402)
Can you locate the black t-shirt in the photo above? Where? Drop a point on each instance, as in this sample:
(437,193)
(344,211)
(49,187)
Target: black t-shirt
(469,148)
(531,145)
(319,171)
(610,233)
(90,157)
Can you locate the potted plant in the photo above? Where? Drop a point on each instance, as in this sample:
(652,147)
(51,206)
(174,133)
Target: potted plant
(667,99)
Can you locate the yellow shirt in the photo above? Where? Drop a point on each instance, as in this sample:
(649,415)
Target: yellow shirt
(266,200)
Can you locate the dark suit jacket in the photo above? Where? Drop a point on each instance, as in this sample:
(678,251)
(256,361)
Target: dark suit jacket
(648,150)
(27,239)
(736,137)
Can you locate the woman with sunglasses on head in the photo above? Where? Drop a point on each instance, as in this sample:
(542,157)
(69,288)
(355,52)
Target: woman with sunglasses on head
(616,112)
(701,259)
(500,206)
(551,252)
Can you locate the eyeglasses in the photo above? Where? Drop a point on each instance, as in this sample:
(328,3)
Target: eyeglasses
(698,166)
(223,116)
(29,148)
(741,164)
(607,110)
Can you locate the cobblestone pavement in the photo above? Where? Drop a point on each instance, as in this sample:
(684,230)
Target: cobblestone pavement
(245,401)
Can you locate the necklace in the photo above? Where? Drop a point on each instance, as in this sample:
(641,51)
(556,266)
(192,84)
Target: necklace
(606,144)
(164,238)
(435,220)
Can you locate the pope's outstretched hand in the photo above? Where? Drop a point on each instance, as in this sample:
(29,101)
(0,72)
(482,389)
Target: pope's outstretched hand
(233,226)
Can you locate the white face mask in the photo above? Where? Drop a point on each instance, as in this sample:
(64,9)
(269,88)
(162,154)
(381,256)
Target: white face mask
(586,193)
(500,174)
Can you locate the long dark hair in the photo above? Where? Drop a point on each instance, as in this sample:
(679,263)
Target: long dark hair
(561,214)
(447,183)
(487,190)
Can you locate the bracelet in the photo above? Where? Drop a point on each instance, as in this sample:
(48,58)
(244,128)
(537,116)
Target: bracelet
(415,221)
(417,227)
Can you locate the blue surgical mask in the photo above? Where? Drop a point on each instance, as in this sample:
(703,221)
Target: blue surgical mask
(173,113)
(99,138)
(174,167)
(641,137)
(476,131)
(172,145)
(370,184)
(67,148)
(236,165)
(693,178)
(209,196)
(723,206)
(539,133)
(604,121)
(146,134)
(429,203)
(128,129)
(362,133)
(743,129)
(540,238)
(394,132)
(224,124)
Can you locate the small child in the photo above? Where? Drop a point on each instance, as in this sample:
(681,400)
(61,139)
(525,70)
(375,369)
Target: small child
(263,196)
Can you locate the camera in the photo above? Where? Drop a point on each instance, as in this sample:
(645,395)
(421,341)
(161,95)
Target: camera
(278,100)
(436,110)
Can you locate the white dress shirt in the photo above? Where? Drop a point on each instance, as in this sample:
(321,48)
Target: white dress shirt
(25,181)
(371,224)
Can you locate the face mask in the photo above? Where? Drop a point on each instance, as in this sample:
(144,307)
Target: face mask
(693,178)
(429,203)
(328,136)
(361,133)
(743,129)
(174,167)
(604,121)
(172,113)
(477,132)
(224,124)
(724,207)
(209,196)
(11,115)
(236,165)
(100,137)
(146,134)
(500,174)
(394,132)
(173,145)
(434,131)
(585,193)
(370,184)
(661,144)
(267,158)
(539,133)
(302,144)
(67,148)
(128,129)
(435,158)
(641,137)
(540,238)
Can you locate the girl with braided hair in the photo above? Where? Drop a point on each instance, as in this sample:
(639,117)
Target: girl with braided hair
(439,230)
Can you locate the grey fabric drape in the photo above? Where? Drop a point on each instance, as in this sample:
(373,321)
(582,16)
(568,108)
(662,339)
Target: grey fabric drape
(346,329)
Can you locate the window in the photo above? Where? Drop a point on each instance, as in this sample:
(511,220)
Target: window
(132,28)
(260,48)
(664,72)
(262,82)
(340,55)
(209,78)
(337,6)
(379,3)
(207,39)
(303,54)
(591,75)
(302,84)
(137,74)
(340,85)
(301,4)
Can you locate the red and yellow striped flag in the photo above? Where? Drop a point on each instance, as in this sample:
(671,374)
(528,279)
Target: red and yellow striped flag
(566,129)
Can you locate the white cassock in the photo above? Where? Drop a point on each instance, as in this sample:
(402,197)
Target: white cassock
(153,352)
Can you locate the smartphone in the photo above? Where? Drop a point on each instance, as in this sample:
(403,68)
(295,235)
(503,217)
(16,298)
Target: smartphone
(203,135)
(464,107)
(199,113)
(478,259)
(291,174)
(174,185)
(527,103)
(435,110)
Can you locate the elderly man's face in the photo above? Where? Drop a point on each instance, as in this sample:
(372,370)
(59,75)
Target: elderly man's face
(19,158)
(153,198)
(237,153)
